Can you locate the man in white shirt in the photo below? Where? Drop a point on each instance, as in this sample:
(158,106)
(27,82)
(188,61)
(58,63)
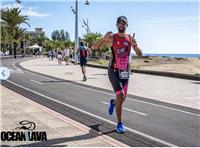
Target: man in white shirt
(66,56)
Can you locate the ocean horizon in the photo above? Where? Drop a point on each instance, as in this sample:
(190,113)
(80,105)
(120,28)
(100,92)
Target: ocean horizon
(173,55)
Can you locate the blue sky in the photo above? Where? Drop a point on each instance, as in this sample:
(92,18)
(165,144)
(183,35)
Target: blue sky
(167,26)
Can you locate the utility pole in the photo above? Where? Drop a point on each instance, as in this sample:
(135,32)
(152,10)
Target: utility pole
(76,28)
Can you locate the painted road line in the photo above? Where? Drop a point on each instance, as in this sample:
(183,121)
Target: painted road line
(169,108)
(40,75)
(130,110)
(95,116)
(36,82)
(18,69)
(78,125)
(161,106)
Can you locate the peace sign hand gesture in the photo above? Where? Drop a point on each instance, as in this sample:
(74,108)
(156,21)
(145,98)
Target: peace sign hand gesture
(133,41)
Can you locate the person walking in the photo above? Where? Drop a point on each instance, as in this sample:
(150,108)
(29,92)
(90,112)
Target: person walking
(59,56)
(83,55)
(70,55)
(66,55)
(119,66)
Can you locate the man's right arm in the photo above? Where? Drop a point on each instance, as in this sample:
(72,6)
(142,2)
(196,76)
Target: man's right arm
(107,39)
(100,43)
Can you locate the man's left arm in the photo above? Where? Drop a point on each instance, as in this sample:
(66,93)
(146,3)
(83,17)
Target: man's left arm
(137,50)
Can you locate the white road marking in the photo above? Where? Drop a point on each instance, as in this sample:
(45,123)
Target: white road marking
(36,82)
(15,71)
(105,138)
(95,116)
(165,107)
(161,106)
(41,76)
(16,67)
(130,110)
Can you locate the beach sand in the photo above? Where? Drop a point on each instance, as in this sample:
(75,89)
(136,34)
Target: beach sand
(168,64)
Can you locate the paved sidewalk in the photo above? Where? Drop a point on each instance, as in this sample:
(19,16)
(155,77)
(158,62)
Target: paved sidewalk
(166,89)
(60,130)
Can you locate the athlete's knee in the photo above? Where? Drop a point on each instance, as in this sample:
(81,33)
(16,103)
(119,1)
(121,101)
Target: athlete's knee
(120,93)
(120,97)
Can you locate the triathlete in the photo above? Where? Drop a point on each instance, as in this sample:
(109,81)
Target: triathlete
(119,67)
(83,52)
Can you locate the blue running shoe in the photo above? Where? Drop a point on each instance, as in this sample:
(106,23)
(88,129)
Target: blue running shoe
(120,128)
(111,107)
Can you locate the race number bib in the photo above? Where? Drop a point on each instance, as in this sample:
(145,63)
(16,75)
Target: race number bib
(123,74)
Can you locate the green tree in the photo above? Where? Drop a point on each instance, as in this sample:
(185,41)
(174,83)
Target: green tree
(11,19)
(67,35)
(91,38)
(60,35)
(55,35)
(5,38)
(40,39)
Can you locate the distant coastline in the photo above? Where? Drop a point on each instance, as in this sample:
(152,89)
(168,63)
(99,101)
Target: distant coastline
(174,55)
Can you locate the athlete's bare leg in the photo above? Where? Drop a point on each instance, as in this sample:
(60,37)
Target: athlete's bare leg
(118,106)
(83,70)
(84,73)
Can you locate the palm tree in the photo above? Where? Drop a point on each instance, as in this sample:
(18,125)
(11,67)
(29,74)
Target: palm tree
(90,38)
(12,19)
(40,39)
(18,37)
(5,38)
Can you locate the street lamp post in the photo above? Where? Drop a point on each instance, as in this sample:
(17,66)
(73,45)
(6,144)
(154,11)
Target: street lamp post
(76,31)
(76,27)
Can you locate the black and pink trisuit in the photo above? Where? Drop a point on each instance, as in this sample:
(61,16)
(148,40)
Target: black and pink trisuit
(119,67)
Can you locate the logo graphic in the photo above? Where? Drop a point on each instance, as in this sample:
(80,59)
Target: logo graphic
(125,43)
(26,125)
(24,132)
(4,73)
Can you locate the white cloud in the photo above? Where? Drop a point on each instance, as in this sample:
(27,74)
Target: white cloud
(34,13)
(14,5)
(29,11)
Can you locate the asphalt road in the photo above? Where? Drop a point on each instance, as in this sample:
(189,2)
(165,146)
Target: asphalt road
(148,122)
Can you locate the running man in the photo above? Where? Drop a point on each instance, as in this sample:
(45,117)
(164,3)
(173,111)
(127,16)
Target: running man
(84,52)
(119,67)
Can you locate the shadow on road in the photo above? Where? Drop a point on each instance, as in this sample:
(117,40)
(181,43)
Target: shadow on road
(93,132)
(194,82)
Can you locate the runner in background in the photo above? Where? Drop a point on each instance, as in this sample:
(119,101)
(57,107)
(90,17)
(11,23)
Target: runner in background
(83,52)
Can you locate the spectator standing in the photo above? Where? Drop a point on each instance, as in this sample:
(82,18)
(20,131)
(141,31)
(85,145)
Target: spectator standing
(66,55)
(59,56)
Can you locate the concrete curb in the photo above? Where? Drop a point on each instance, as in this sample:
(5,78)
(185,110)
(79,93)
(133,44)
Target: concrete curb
(159,73)
(17,56)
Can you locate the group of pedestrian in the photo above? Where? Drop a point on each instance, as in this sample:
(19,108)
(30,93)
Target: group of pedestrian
(65,54)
